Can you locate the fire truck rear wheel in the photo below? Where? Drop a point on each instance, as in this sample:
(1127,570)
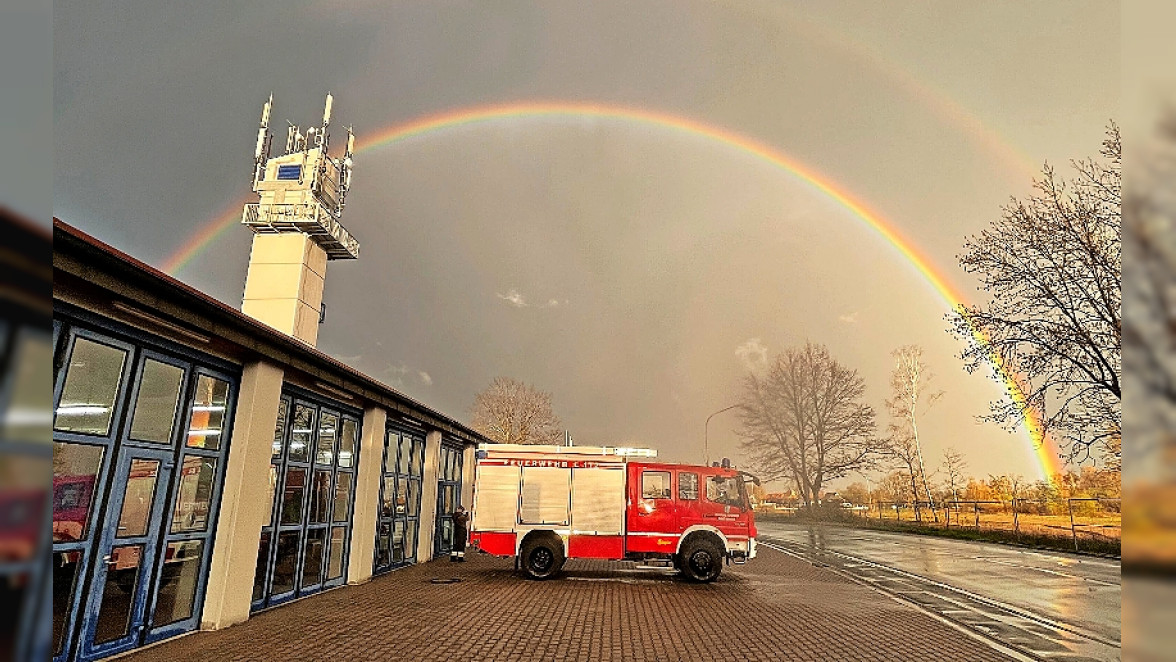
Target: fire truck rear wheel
(542,557)
(701,559)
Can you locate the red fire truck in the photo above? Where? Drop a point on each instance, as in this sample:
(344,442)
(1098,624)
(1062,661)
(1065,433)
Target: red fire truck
(546,504)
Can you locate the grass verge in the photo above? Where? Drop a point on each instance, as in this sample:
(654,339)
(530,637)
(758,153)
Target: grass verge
(1093,547)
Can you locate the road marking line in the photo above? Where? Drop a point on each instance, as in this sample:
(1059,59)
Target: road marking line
(987,640)
(1041,620)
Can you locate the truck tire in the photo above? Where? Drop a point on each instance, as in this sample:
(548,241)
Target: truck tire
(541,557)
(701,559)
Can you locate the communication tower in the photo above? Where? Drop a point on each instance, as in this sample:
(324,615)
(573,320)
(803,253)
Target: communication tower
(296,225)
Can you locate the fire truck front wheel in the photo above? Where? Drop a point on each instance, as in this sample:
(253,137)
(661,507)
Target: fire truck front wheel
(701,559)
(542,557)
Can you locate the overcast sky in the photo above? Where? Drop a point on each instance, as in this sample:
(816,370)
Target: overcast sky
(652,263)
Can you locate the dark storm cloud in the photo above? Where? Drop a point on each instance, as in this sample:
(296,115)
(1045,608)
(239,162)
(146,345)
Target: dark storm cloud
(621,267)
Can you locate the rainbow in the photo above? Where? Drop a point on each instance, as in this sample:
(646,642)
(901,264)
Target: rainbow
(1045,452)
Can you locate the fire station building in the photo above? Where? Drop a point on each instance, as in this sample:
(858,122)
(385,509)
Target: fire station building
(207,465)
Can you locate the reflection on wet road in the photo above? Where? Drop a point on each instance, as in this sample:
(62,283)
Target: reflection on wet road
(1080,594)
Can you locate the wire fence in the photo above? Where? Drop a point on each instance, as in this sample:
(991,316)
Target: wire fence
(1081,519)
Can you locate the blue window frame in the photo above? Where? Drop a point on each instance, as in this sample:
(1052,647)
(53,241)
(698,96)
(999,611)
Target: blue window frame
(141,431)
(305,543)
(398,516)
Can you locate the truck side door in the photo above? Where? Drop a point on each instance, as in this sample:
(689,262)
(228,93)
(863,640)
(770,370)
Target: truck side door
(723,504)
(652,520)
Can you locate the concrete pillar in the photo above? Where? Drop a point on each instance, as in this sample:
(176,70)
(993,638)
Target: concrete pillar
(429,496)
(367,496)
(245,500)
(284,285)
(467,476)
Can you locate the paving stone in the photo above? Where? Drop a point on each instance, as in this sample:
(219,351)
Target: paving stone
(776,607)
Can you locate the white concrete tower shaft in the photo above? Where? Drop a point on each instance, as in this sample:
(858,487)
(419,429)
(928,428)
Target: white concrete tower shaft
(296,225)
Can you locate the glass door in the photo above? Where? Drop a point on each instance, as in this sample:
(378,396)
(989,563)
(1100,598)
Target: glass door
(139,440)
(398,519)
(115,612)
(448,497)
(303,546)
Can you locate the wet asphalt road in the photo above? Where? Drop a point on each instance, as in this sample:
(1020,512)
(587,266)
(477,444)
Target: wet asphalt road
(1080,592)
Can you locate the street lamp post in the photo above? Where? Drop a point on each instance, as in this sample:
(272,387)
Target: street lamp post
(706,434)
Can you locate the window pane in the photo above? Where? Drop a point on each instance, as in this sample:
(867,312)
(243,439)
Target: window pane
(342,496)
(723,490)
(31,402)
(122,581)
(384,545)
(263,551)
(398,542)
(402,496)
(155,405)
(292,495)
(280,428)
(194,494)
(347,443)
(418,456)
(414,496)
(312,564)
(655,485)
(391,448)
(405,453)
(65,582)
(75,472)
(273,488)
(140,490)
(208,412)
(335,565)
(388,497)
(286,563)
(320,499)
(91,386)
(301,433)
(688,486)
(178,581)
(410,538)
(328,431)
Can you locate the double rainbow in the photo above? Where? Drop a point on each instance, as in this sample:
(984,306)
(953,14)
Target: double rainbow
(1044,451)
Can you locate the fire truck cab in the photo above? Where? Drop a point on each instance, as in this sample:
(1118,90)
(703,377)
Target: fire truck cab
(546,504)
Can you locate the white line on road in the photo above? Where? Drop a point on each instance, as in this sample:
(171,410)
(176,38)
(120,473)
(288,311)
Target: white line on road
(980,637)
(1048,622)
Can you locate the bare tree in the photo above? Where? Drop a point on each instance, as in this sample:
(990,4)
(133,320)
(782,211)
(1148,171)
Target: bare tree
(1052,267)
(910,398)
(803,420)
(893,488)
(512,412)
(953,468)
(1149,320)
(899,446)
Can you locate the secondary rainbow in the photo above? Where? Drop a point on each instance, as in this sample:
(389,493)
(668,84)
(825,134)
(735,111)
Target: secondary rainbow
(1045,452)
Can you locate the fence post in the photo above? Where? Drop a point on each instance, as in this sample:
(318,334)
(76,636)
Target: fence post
(1073,531)
(976,510)
(1016,519)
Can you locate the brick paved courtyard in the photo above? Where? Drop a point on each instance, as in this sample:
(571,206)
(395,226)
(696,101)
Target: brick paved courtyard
(775,608)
